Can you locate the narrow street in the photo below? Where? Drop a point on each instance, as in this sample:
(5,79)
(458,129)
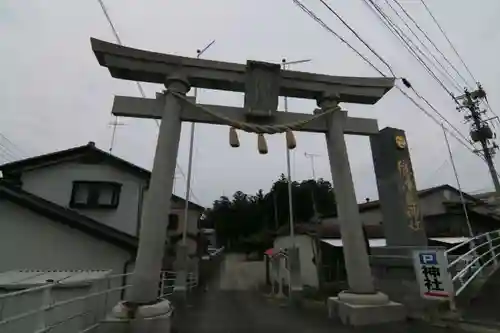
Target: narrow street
(222,310)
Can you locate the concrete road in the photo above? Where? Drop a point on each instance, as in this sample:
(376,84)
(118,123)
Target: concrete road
(227,308)
(248,312)
(238,274)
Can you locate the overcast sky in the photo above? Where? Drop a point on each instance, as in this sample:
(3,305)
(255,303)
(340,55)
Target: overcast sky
(55,95)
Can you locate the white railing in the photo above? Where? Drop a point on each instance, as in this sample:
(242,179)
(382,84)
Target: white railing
(477,257)
(81,314)
(216,252)
(167,283)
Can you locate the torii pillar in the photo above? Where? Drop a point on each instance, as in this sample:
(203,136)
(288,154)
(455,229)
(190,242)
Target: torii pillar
(262,83)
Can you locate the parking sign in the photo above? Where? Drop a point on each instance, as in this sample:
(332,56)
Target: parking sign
(429,258)
(431,268)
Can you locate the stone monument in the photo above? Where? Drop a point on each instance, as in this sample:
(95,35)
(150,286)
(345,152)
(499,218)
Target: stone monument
(403,224)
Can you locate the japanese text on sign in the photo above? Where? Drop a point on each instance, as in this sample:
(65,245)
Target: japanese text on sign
(411,196)
(432,274)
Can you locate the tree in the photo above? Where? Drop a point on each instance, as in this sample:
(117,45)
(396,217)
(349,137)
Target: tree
(246,222)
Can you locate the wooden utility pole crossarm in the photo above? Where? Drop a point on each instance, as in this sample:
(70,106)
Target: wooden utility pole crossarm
(139,65)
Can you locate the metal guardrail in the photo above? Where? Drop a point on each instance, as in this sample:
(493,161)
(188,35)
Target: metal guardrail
(216,252)
(476,257)
(96,304)
(167,283)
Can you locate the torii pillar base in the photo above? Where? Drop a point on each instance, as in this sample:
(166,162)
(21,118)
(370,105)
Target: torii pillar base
(364,309)
(143,319)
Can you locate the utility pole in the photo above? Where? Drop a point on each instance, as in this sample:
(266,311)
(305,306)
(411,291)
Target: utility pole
(182,251)
(190,160)
(462,200)
(275,206)
(284,66)
(480,130)
(315,208)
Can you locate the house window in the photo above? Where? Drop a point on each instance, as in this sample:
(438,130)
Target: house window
(88,194)
(173,222)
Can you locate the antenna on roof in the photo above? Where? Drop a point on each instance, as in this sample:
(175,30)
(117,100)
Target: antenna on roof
(114,123)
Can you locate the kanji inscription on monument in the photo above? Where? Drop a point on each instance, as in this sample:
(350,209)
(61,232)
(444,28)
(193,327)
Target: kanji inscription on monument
(399,198)
(410,193)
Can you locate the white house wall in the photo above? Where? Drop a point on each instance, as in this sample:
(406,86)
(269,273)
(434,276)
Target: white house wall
(55,183)
(31,241)
(309,274)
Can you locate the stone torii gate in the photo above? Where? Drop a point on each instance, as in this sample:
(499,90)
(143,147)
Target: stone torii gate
(262,84)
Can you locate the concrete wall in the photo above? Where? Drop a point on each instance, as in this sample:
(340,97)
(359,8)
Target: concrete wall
(31,241)
(309,274)
(55,183)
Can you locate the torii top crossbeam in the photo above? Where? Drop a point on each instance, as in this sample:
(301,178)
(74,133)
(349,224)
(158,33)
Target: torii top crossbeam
(139,65)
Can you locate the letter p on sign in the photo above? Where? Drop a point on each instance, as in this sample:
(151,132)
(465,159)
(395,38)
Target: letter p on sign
(428,258)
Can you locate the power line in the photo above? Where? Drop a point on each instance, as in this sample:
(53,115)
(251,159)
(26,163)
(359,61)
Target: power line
(403,39)
(436,171)
(406,41)
(139,85)
(9,150)
(486,153)
(430,41)
(356,34)
(481,190)
(434,119)
(449,41)
(7,154)
(324,25)
(388,22)
(13,145)
(443,69)
(440,115)
(108,18)
(491,110)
